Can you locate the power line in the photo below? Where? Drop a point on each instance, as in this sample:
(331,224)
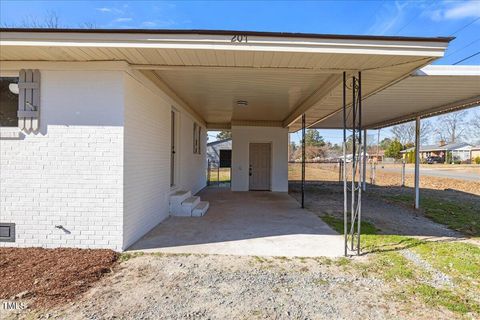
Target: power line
(466,26)
(414,18)
(473,55)
(466,46)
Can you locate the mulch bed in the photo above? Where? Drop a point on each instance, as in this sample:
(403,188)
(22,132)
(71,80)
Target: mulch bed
(49,277)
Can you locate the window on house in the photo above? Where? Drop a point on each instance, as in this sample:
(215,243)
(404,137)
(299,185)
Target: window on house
(197,133)
(8,101)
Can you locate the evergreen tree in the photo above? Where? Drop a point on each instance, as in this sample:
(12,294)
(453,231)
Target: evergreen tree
(224,135)
(313,138)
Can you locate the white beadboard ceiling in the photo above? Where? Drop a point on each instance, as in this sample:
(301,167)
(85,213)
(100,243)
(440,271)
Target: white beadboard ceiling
(280,75)
(429,91)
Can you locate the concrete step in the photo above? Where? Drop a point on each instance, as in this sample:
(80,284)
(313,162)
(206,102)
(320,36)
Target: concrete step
(188,205)
(200,209)
(176,200)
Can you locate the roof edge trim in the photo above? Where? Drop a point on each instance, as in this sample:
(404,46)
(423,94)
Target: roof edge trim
(231,32)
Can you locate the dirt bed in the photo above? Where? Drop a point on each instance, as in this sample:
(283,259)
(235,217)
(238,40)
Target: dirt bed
(227,287)
(48,277)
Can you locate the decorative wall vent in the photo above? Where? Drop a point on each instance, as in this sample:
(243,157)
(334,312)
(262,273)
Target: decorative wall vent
(29,100)
(7,232)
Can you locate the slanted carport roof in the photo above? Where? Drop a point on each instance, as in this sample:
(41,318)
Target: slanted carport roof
(281,75)
(432,90)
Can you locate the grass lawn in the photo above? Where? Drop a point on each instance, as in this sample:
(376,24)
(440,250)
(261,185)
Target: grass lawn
(463,217)
(222,175)
(458,261)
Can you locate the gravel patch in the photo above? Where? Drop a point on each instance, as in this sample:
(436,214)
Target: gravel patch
(439,279)
(232,287)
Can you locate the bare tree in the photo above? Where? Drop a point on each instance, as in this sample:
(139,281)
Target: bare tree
(50,20)
(475,124)
(451,126)
(405,132)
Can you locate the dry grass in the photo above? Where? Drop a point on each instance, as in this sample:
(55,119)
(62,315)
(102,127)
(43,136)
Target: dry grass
(330,172)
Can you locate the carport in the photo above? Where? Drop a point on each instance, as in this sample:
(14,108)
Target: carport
(261,85)
(426,92)
(246,223)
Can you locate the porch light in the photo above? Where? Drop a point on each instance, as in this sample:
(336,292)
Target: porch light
(13,87)
(242,103)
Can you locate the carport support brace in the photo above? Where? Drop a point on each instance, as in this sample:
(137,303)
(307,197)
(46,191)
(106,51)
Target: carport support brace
(417,162)
(303,160)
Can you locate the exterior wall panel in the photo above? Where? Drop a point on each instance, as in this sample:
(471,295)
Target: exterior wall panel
(242,136)
(62,187)
(147,160)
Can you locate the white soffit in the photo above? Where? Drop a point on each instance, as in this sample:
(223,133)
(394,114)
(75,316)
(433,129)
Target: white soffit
(281,75)
(427,92)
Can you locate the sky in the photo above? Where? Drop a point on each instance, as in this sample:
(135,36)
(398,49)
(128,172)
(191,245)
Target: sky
(460,19)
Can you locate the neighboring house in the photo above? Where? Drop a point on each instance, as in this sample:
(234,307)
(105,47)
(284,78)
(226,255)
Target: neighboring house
(103,132)
(475,152)
(219,153)
(377,157)
(460,151)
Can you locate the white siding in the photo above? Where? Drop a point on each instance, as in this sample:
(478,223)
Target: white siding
(242,136)
(71,173)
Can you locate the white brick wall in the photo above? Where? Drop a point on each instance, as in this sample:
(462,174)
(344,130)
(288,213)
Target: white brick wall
(147,158)
(71,173)
(100,166)
(242,136)
(193,167)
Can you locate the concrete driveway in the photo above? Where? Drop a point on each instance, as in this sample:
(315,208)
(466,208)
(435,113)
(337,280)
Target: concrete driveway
(245,223)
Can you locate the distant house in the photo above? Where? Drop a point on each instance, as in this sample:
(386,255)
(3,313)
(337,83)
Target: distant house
(475,152)
(460,151)
(219,153)
(377,156)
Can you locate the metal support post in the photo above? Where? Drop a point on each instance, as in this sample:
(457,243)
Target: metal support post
(303,160)
(208,172)
(354,193)
(344,147)
(403,173)
(340,170)
(364,180)
(374,171)
(417,163)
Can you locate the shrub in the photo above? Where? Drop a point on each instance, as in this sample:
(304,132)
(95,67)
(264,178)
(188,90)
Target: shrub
(477,160)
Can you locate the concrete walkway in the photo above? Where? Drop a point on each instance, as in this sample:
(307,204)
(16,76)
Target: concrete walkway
(245,223)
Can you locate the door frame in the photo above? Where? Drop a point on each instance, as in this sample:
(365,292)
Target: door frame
(175,121)
(271,164)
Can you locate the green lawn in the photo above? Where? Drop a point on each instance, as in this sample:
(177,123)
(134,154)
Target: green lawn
(463,217)
(222,175)
(460,261)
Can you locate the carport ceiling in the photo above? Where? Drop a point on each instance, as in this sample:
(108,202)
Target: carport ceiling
(429,91)
(280,75)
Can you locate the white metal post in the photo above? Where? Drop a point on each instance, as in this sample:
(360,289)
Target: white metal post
(417,163)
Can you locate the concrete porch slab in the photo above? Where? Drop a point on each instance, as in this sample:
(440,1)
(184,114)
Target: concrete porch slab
(245,223)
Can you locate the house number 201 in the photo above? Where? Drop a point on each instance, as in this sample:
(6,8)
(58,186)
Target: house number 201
(239,38)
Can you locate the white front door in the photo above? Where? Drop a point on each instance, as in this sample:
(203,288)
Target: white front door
(260,166)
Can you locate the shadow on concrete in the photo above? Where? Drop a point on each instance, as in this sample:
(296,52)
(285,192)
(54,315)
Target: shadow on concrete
(246,223)
(392,218)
